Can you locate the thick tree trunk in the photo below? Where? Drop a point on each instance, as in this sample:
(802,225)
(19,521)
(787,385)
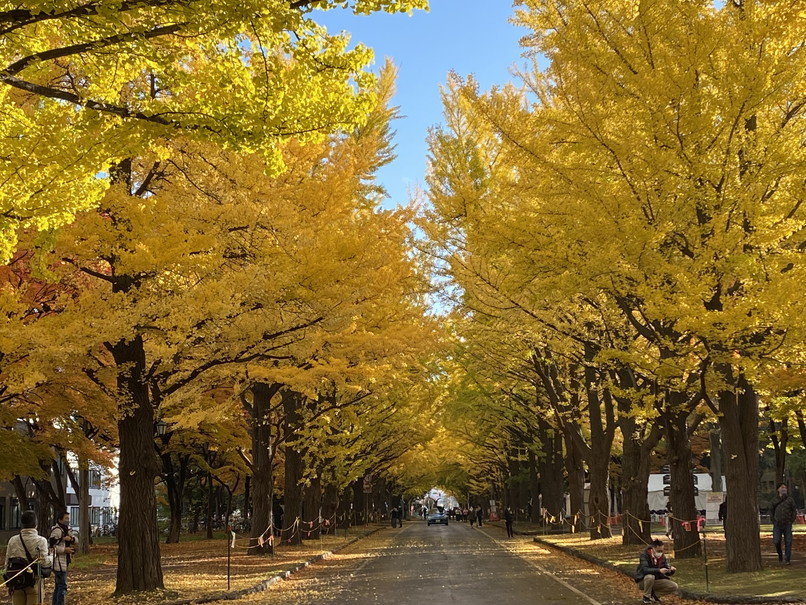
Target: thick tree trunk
(358,503)
(139,567)
(534,489)
(292,492)
(738,418)
(635,457)
(262,473)
(175,480)
(715,469)
(330,508)
(550,467)
(208,520)
(602,431)
(684,525)
(311,507)
(83,506)
(575,470)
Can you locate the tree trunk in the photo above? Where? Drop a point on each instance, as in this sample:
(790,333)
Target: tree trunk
(738,418)
(292,492)
(262,473)
(208,522)
(311,507)
(83,506)
(602,432)
(684,525)
(139,567)
(534,489)
(635,457)
(330,508)
(175,488)
(575,470)
(715,440)
(550,467)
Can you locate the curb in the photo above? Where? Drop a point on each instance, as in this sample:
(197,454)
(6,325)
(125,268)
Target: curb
(268,582)
(686,594)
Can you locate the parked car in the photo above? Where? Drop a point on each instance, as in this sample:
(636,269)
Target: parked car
(436,516)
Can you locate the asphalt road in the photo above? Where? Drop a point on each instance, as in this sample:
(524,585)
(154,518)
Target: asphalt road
(441,564)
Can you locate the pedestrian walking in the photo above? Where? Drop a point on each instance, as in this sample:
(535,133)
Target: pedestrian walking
(30,547)
(509,518)
(479,515)
(783,513)
(62,542)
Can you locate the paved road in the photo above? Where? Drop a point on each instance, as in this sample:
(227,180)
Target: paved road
(440,564)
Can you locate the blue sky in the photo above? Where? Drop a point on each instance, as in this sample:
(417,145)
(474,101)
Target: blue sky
(466,36)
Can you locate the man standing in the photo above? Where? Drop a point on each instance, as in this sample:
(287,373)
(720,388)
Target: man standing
(29,545)
(508,519)
(63,544)
(653,572)
(783,513)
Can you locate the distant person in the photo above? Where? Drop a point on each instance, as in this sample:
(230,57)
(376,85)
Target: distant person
(653,573)
(479,515)
(508,520)
(669,519)
(29,546)
(783,513)
(62,542)
(471,516)
(723,511)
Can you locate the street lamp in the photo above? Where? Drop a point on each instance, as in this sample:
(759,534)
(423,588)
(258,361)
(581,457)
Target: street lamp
(161,428)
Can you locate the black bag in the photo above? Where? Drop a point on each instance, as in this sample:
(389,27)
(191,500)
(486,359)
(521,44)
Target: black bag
(19,574)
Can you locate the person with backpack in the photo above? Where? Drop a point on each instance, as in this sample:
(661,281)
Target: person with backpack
(63,543)
(27,555)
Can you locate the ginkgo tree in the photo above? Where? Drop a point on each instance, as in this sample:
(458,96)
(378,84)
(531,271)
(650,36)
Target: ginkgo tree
(654,162)
(85,84)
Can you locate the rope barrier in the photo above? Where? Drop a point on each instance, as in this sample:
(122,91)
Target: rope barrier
(294,529)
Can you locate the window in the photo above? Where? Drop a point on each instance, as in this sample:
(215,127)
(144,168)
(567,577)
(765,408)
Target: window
(95,479)
(73,516)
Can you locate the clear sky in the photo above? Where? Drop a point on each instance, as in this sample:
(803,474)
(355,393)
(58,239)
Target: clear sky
(466,36)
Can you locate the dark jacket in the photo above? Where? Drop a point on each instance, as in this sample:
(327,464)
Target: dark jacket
(783,510)
(648,567)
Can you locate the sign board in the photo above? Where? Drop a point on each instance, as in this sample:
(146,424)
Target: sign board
(712,502)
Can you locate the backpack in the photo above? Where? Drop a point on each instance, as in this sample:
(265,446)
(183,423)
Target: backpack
(20,574)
